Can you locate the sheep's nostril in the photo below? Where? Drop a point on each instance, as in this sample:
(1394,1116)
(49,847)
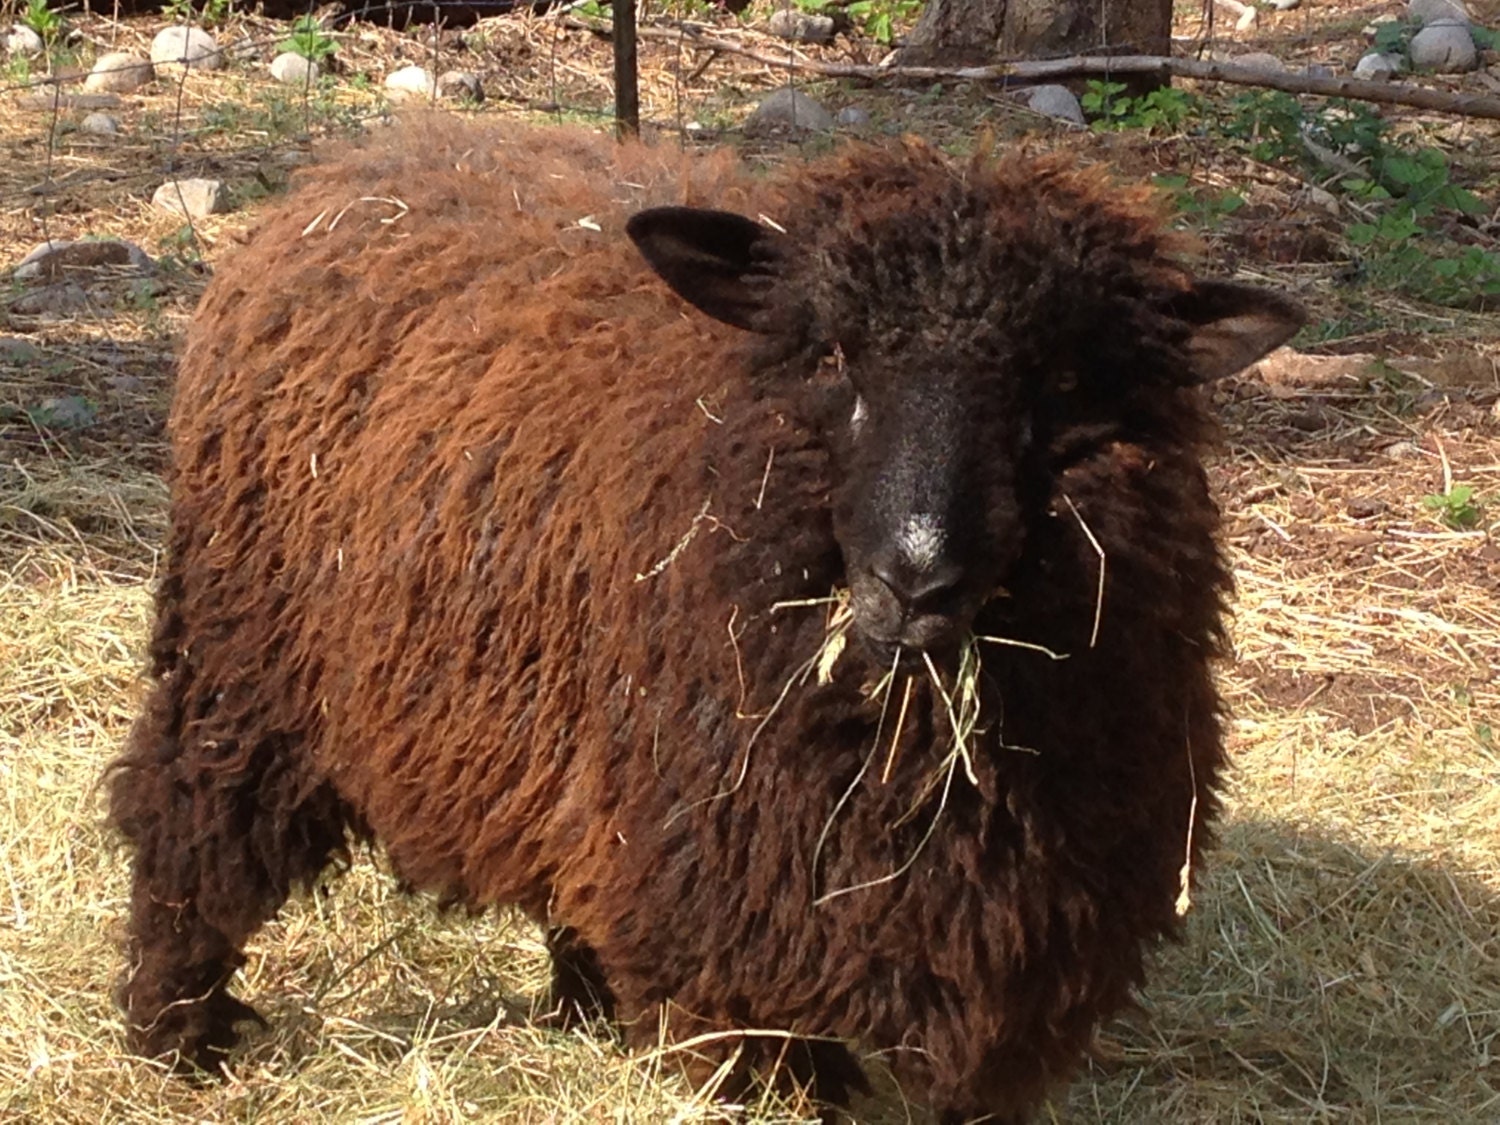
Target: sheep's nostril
(933,590)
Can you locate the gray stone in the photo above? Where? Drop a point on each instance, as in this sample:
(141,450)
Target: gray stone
(118,72)
(70,412)
(15,351)
(1444,46)
(1425,12)
(22,42)
(59,301)
(100,124)
(1055,101)
(1286,5)
(49,260)
(53,99)
(788,109)
(1376,67)
(126,384)
(410,82)
(191,47)
(853,117)
(294,69)
(194,198)
(460,84)
(800,27)
(1262,61)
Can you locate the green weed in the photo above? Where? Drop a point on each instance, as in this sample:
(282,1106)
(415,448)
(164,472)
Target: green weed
(1457,508)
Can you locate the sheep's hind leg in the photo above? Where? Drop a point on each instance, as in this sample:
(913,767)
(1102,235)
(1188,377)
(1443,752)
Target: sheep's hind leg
(220,830)
(579,992)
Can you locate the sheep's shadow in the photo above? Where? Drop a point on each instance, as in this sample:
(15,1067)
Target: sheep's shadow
(1319,980)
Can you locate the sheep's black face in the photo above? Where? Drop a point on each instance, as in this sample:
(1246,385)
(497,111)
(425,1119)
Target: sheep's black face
(940,384)
(929,449)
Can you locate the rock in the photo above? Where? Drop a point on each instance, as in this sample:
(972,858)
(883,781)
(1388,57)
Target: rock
(788,109)
(1323,199)
(195,198)
(126,384)
(1376,67)
(100,124)
(460,84)
(49,260)
(853,117)
(118,72)
(54,99)
(410,81)
(1425,12)
(294,69)
(22,42)
(15,351)
(1260,60)
(800,27)
(1444,46)
(1285,5)
(1055,101)
(191,47)
(71,412)
(1318,70)
(55,301)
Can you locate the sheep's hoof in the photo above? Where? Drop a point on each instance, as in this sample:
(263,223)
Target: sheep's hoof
(193,1036)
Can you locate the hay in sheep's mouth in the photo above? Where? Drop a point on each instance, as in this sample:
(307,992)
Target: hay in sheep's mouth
(961,698)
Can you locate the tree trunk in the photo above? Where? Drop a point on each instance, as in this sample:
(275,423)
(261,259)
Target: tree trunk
(973,32)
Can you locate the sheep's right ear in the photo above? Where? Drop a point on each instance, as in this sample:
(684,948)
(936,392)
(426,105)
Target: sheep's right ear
(717,261)
(1233,325)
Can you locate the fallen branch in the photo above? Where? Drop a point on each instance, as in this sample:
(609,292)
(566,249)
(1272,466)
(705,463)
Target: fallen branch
(1040,70)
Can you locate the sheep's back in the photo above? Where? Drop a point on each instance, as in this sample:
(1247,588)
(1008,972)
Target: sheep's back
(436,424)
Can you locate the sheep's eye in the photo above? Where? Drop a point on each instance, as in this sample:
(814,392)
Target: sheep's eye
(1067,381)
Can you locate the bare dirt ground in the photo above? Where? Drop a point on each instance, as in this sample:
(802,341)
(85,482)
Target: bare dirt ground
(1341,963)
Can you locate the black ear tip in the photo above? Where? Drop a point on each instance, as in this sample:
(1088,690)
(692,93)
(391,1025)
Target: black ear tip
(641,224)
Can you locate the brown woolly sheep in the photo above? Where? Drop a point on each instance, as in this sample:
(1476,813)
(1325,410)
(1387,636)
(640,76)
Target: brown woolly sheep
(486,546)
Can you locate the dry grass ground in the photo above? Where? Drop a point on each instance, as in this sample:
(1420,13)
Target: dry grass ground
(1342,962)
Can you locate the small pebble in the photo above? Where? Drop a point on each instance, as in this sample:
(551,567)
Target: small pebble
(1445,46)
(100,124)
(191,47)
(788,108)
(460,85)
(195,198)
(1055,101)
(22,42)
(118,72)
(294,69)
(410,81)
(1376,67)
(1426,12)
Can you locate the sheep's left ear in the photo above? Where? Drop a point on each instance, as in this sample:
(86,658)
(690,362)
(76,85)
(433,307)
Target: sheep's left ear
(1234,325)
(717,261)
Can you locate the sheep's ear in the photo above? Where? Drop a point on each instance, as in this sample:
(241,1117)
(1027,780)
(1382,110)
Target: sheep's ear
(717,261)
(1234,325)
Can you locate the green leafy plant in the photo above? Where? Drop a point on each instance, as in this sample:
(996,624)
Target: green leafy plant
(40,17)
(1164,108)
(877,18)
(1393,37)
(309,40)
(1202,207)
(1457,507)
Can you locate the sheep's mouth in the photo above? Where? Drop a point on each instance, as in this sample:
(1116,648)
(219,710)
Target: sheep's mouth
(892,630)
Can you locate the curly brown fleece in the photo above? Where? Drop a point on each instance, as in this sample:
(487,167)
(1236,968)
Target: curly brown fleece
(479,536)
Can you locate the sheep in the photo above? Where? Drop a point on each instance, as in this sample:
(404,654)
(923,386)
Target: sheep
(611,532)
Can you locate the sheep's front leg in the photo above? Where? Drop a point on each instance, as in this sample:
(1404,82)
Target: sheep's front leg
(221,828)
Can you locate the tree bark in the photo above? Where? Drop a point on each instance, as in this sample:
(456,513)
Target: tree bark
(974,32)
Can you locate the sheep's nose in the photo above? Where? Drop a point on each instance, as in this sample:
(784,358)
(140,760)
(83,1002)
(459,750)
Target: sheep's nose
(924,589)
